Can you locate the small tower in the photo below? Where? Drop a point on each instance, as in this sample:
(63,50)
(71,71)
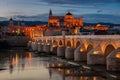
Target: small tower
(50,14)
(11,22)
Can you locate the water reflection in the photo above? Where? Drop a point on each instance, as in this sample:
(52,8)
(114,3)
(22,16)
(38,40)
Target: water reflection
(19,61)
(30,66)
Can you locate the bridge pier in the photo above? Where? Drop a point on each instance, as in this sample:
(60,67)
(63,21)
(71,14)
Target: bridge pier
(29,44)
(46,48)
(69,53)
(95,56)
(80,54)
(95,59)
(113,60)
(34,46)
(53,49)
(61,51)
(40,47)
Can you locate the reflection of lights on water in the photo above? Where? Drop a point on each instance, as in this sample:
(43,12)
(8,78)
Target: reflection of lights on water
(59,64)
(13,61)
(118,55)
(60,70)
(83,78)
(68,71)
(30,55)
(53,65)
(94,78)
(16,59)
(48,65)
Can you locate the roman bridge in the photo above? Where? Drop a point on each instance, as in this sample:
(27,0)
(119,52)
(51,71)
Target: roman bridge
(95,49)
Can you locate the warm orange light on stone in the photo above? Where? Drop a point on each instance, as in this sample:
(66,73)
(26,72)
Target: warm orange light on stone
(38,43)
(118,55)
(68,20)
(54,46)
(81,50)
(95,52)
(76,31)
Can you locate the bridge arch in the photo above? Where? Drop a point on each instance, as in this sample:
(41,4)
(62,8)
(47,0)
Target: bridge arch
(69,44)
(104,44)
(77,44)
(44,41)
(49,41)
(40,41)
(89,47)
(60,43)
(55,42)
(108,49)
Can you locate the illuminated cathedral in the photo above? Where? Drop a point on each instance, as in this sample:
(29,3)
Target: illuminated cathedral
(67,20)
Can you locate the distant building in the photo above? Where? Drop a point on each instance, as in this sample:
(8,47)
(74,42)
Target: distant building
(97,27)
(67,20)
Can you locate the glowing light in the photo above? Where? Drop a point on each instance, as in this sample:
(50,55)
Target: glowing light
(13,61)
(81,50)
(30,55)
(38,43)
(13,31)
(94,78)
(60,70)
(53,65)
(95,52)
(59,64)
(54,46)
(48,44)
(68,71)
(16,59)
(118,55)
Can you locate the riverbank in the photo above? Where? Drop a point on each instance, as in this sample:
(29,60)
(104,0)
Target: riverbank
(13,41)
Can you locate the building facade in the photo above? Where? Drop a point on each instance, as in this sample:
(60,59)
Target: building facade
(67,20)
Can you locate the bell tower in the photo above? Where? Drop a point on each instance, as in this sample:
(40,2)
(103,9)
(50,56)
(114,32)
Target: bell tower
(50,14)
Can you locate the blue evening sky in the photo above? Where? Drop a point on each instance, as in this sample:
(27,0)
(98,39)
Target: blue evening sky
(90,10)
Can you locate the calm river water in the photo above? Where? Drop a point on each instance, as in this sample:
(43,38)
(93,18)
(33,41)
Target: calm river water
(22,65)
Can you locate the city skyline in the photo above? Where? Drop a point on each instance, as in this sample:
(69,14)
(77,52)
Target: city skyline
(38,10)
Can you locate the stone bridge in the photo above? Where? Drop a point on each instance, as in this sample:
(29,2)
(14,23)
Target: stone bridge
(95,49)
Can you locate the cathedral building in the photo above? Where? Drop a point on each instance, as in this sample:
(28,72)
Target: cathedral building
(67,20)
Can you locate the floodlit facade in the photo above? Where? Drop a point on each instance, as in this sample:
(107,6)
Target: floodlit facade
(67,20)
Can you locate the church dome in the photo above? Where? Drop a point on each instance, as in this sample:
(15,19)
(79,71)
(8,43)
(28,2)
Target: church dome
(98,25)
(68,13)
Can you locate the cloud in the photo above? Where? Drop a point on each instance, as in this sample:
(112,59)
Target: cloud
(78,1)
(90,18)
(100,18)
(3,18)
(39,17)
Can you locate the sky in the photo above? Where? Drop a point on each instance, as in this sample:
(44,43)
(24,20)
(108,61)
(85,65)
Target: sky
(38,10)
